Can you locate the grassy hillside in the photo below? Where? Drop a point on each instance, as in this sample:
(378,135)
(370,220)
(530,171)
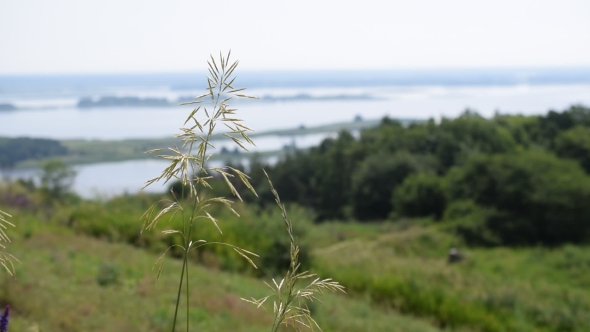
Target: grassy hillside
(71,282)
(496,289)
(396,274)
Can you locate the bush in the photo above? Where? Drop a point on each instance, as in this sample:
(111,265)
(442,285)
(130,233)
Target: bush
(575,144)
(420,195)
(376,179)
(256,231)
(531,197)
(108,274)
(469,221)
(261,234)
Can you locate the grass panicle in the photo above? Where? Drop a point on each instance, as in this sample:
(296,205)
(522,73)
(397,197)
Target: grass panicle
(7,260)
(290,302)
(188,164)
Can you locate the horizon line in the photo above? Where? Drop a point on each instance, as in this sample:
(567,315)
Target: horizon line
(309,70)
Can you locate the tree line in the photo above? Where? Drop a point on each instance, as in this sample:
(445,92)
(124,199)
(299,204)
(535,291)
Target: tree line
(15,150)
(507,180)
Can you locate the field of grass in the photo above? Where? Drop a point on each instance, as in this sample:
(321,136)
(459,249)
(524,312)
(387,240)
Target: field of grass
(500,289)
(396,274)
(72,282)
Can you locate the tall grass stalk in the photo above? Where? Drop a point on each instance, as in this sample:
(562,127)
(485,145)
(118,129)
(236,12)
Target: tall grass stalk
(188,164)
(290,302)
(6,259)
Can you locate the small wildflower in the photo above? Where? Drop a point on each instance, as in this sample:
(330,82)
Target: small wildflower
(4,320)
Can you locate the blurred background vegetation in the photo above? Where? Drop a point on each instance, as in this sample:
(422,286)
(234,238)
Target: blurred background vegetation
(378,213)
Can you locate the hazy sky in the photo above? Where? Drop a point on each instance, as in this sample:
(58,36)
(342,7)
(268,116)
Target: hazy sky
(40,36)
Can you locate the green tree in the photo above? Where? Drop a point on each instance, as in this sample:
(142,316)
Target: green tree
(319,178)
(548,127)
(332,177)
(421,194)
(57,179)
(537,198)
(519,127)
(14,150)
(375,180)
(575,144)
(470,134)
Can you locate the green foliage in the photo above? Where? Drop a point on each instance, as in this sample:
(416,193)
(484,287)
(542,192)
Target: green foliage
(113,221)
(256,230)
(537,197)
(333,178)
(500,289)
(259,233)
(449,142)
(553,123)
(108,274)
(14,150)
(320,179)
(469,221)
(461,208)
(479,133)
(469,134)
(376,179)
(57,179)
(519,127)
(346,178)
(575,144)
(521,191)
(420,195)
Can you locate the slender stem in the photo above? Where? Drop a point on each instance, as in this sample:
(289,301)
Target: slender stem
(179,292)
(188,242)
(184,263)
(187,295)
(187,288)
(184,268)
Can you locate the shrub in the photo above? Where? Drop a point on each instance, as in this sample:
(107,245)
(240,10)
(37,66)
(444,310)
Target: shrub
(420,195)
(374,182)
(57,179)
(261,234)
(575,144)
(531,197)
(108,274)
(469,221)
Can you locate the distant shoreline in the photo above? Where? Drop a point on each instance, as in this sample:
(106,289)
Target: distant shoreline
(112,101)
(83,152)
(86,103)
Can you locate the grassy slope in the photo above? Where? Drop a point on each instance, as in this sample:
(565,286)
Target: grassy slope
(501,289)
(387,268)
(56,289)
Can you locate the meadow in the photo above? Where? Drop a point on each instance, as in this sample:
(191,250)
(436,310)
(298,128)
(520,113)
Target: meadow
(76,275)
